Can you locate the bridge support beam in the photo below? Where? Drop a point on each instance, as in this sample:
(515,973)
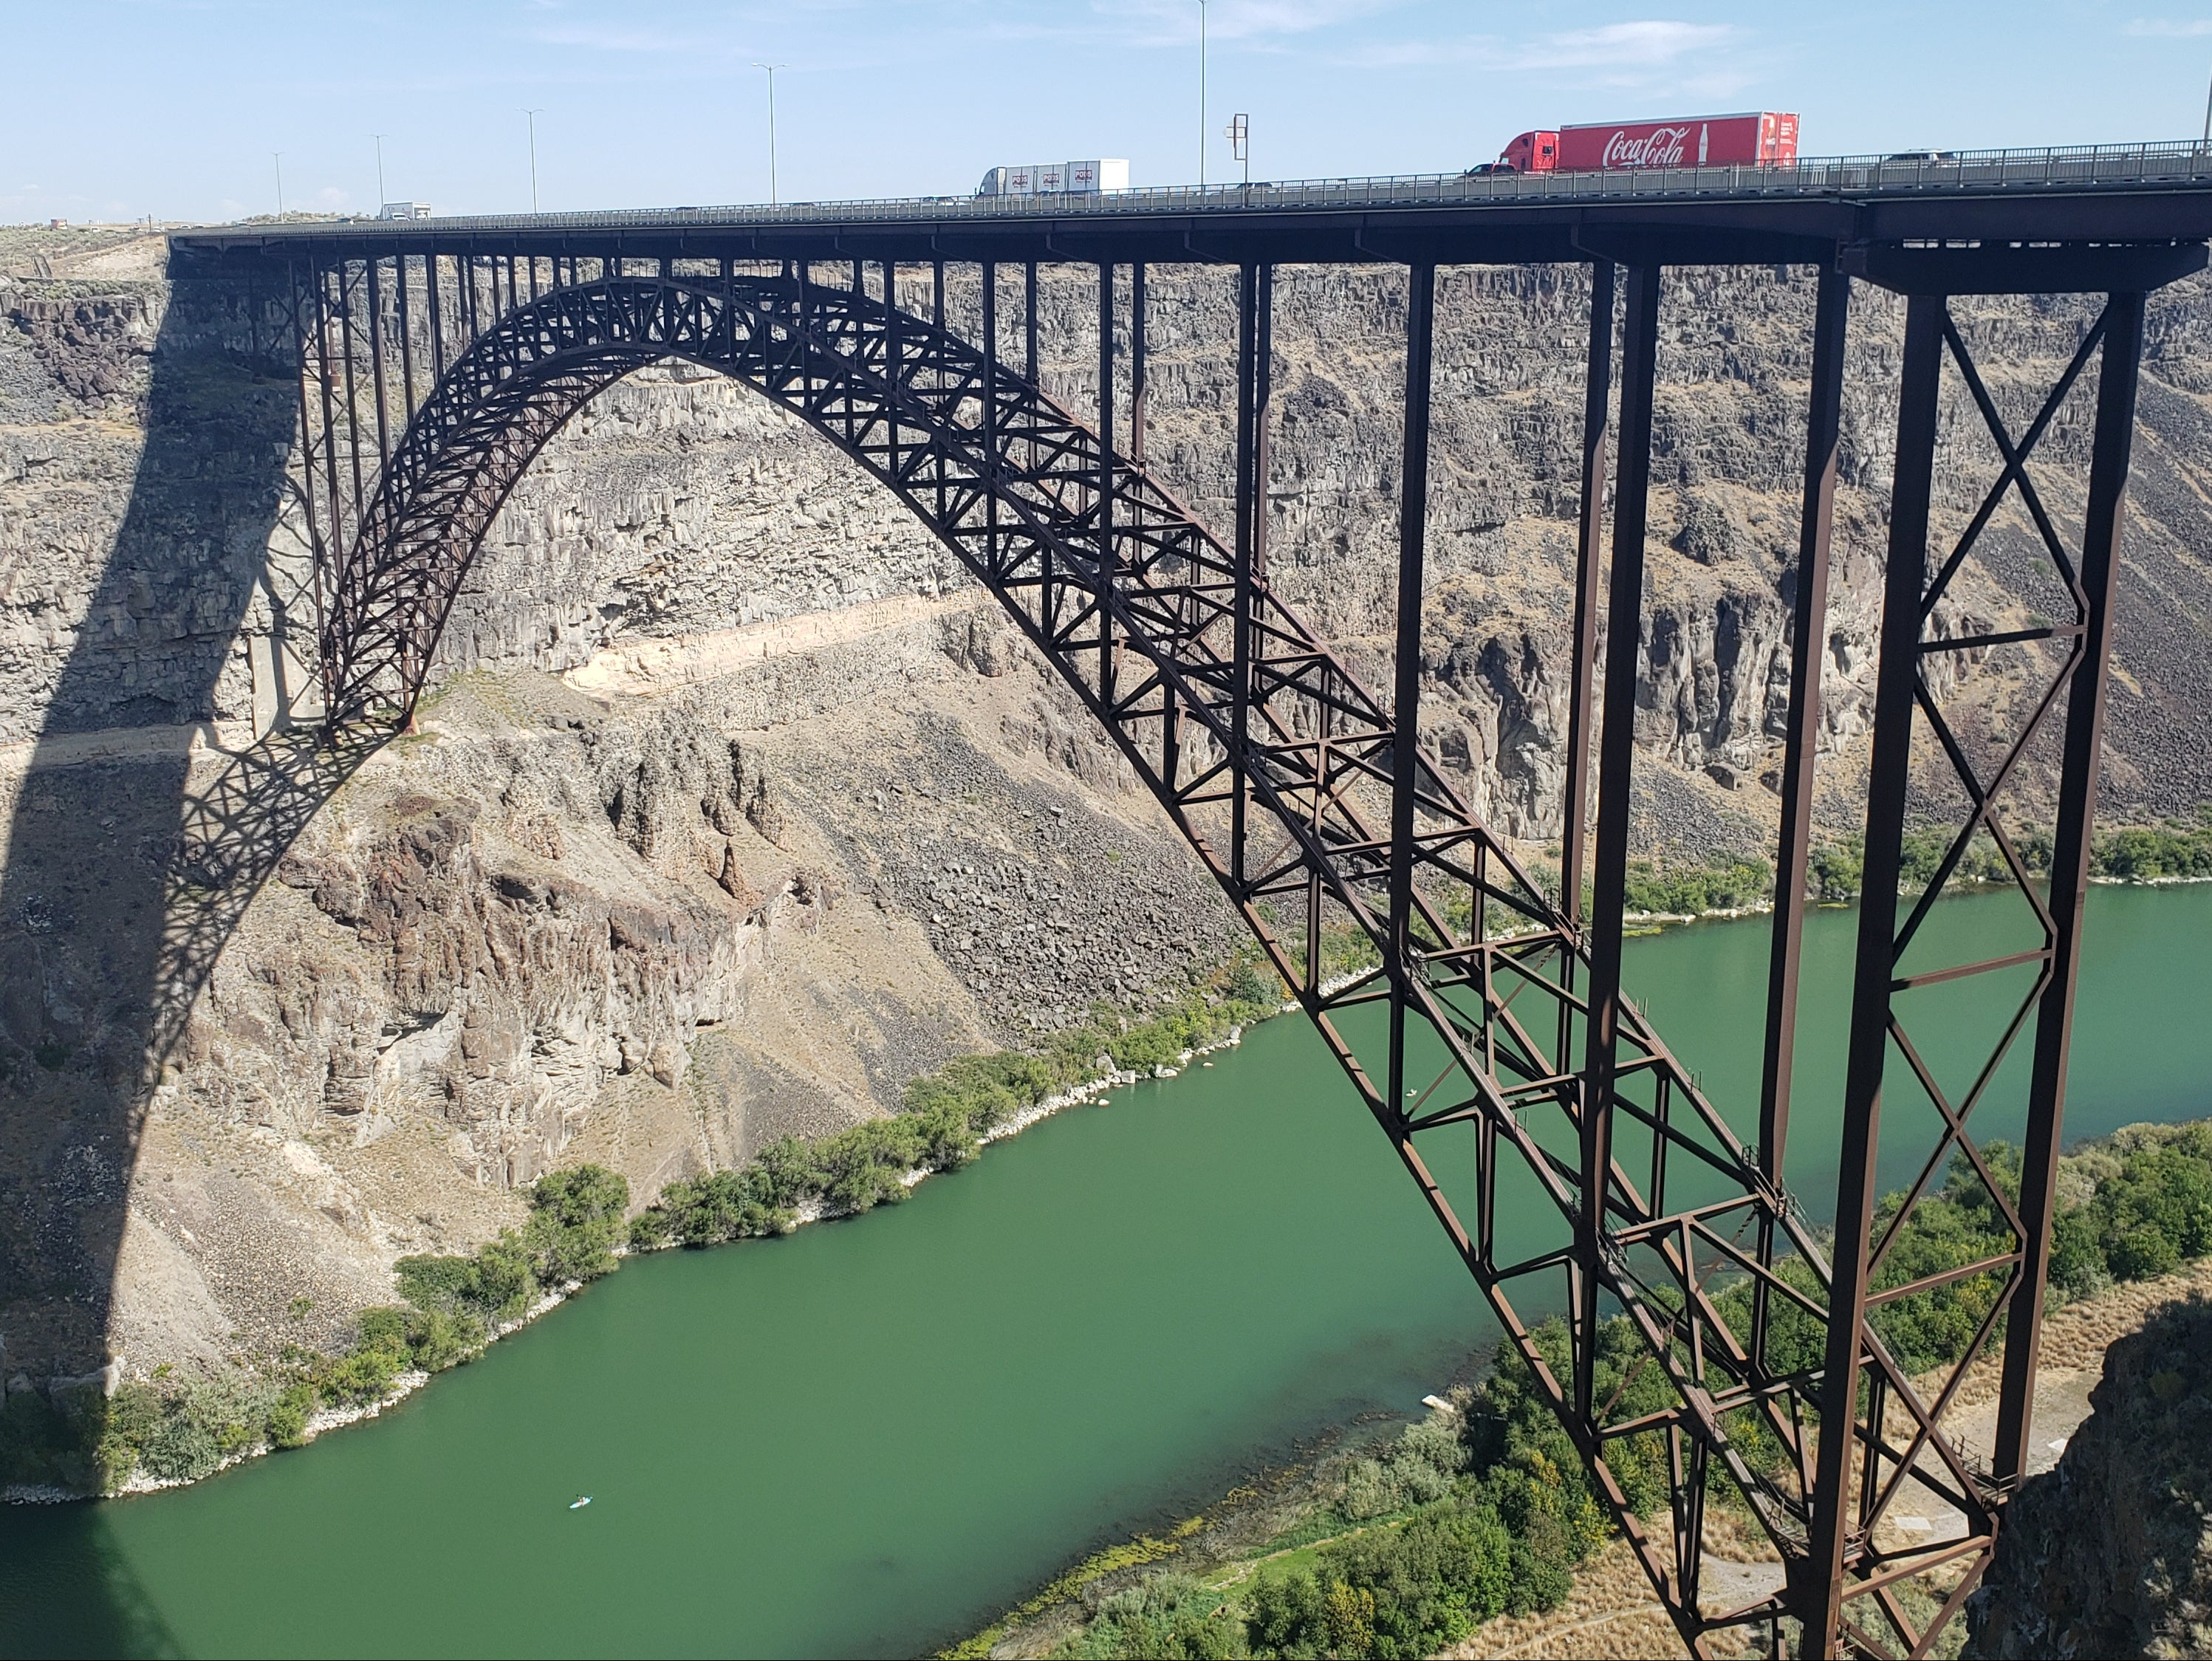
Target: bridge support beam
(1808,651)
(1263,726)
(1406,705)
(1639,356)
(2070,871)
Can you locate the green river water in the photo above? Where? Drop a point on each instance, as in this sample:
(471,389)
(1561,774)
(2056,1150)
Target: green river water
(866,1439)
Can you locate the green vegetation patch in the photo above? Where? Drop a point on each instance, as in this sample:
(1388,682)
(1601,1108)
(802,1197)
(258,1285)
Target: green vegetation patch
(179,1431)
(2175,850)
(946,1116)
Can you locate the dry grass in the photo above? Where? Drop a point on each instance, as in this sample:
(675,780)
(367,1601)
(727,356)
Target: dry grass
(1611,1611)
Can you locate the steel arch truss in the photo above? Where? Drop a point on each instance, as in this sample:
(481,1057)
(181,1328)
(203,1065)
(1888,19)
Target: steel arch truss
(1466,1031)
(1480,1017)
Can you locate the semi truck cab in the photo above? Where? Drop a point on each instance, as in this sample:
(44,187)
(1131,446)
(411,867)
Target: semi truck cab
(1532,152)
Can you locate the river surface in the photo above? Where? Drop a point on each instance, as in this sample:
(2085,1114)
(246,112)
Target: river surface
(867,1438)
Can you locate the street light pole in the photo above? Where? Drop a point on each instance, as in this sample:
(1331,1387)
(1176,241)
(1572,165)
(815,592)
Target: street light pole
(771,69)
(2207,116)
(279,154)
(531,116)
(379,137)
(1202,133)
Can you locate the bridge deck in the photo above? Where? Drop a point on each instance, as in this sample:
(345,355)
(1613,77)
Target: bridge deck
(2091,194)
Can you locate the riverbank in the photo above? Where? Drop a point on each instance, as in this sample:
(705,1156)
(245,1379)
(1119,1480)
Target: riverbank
(866,1440)
(58,1443)
(1341,1559)
(102,1435)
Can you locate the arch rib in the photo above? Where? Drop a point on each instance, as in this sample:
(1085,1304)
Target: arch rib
(1033,505)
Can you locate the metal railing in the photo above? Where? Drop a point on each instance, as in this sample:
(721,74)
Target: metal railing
(2080,167)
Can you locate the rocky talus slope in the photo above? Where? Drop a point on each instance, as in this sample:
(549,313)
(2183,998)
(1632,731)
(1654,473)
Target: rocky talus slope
(736,806)
(2110,1553)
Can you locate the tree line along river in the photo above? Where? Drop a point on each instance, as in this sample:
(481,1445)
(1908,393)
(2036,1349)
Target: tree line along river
(867,1438)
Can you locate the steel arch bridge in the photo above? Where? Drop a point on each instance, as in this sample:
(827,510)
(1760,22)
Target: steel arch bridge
(1493,1042)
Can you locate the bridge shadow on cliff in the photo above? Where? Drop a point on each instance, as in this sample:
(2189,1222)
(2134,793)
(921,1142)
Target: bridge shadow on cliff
(129,859)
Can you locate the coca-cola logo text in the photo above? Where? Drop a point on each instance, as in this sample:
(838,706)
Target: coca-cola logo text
(1661,147)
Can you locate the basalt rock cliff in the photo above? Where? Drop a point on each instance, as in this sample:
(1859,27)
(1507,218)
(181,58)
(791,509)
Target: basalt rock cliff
(2111,1553)
(734,805)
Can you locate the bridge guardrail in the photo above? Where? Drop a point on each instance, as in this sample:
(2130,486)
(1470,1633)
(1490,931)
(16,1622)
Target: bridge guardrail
(2075,166)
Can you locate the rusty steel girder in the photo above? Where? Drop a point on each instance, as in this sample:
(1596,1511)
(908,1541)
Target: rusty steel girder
(1483,1022)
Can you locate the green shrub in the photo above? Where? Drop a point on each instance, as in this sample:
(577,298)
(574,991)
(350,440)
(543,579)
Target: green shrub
(1433,1579)
(287,1424)
(576,1223)
(2142,1253)
(2077,1255)
(1528,1464)
(2177,847)
(1542,1571)
(1169,1615)
(1729,883)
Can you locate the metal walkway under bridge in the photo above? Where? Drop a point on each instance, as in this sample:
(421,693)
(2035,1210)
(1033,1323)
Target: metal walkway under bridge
(1499,1055)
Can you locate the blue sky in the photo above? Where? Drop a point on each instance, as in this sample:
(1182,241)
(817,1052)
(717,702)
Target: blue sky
(172,107)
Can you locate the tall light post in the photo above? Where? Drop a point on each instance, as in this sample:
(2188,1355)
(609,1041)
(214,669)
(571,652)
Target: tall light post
(379,137)
(279,154)
(1202,134)
(771,69)
(531,116)
(2207,118)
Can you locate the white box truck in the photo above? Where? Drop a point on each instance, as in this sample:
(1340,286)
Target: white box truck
(1056,178)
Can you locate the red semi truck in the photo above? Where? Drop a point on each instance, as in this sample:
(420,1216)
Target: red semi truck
(1759,138)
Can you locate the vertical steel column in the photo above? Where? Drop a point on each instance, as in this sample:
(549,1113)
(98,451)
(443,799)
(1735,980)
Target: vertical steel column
(1240,613)
(1032,359)
(318,551)
(991,415)
(1809,619)
(533,279)
(376,363)
(406,344)
(937,293)
(1405,706)
(1105,486)
(1898,675)
(332,621)
(1807,651)
(466,272)
(352,403)
(2070,870)
(1590,558)
(1263,394)
(1136,364)
(1639,357)
(432,266)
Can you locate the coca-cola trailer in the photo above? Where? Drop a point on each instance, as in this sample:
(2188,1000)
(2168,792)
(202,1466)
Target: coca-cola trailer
(1755,139)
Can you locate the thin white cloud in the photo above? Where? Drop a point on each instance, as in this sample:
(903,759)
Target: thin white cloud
(2170,28)
(1175,22)
(1613,51)
(595,38)
(1655,43)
